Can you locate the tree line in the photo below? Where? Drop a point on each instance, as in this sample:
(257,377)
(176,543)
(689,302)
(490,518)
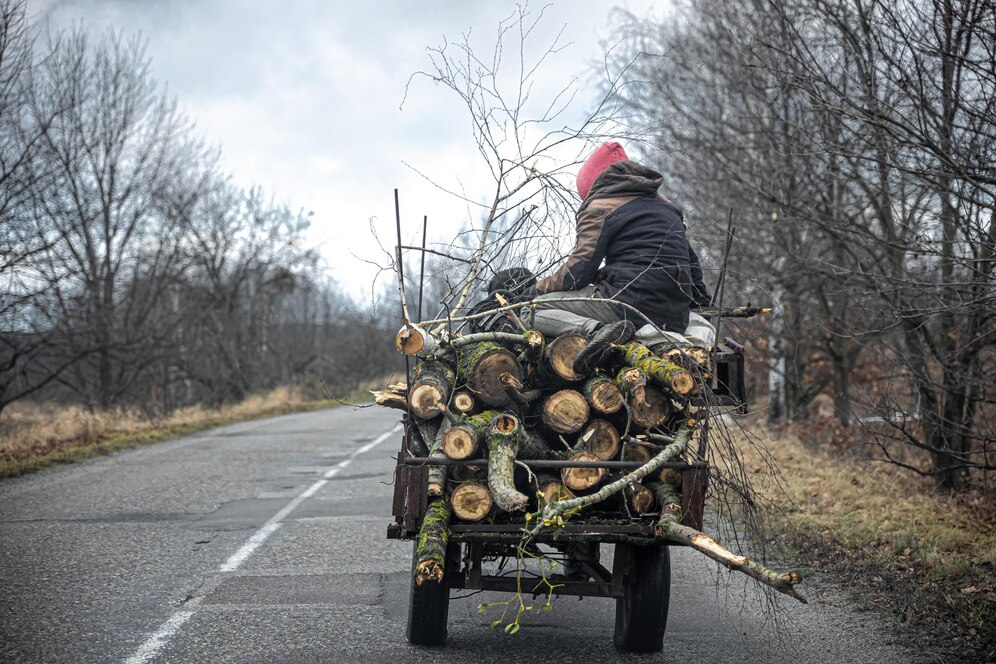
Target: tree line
(133,271)
(853,144)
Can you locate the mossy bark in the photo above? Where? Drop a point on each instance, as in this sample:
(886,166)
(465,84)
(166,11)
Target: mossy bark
(481,366)
(503,446)
(462,440)
(430,553)
(666,374)
(437,474)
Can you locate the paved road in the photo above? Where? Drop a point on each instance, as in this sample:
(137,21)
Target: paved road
(264,542)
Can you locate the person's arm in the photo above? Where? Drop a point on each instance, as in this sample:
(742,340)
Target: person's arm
(581,266)
(700,296)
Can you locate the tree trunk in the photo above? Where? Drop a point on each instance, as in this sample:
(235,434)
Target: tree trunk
(654,408)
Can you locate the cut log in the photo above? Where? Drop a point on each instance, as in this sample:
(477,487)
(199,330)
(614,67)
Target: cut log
(463,402)
(600,438)
(670,528)
(560,354)
(413,340)
(431,385)
(461,441)
(503,445)
(430,552)
(582,479)
(641,499)
(552,513)
(471,501)
(551,489)
(535,345)
(604,395)
(565,411)
(516,390)
(481,366)
(635,452)
(654,408)
(671,476)
(666,374)
(534,446)
(437,473)
(633,383)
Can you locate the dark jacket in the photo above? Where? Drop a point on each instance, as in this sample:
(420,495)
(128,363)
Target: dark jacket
(641,237)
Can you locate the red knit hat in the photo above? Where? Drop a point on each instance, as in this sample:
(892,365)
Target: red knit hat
(606,155)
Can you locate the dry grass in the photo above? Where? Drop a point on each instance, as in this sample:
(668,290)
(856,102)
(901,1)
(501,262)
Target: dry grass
(33,436)
(931,557)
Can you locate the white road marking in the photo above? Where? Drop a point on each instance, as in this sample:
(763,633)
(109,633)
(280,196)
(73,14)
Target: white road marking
(155,643)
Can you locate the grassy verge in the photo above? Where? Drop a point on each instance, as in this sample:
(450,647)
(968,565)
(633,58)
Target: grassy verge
(35,436)
(928,557)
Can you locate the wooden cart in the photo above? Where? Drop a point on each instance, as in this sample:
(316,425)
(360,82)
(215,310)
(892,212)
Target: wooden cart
(640,577)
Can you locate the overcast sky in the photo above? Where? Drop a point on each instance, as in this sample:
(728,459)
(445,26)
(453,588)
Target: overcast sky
(303,98)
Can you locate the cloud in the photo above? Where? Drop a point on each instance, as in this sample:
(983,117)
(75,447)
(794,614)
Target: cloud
(303,97)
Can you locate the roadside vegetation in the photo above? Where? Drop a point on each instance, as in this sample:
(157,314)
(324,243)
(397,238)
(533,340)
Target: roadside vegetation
(33,436)
(887,536)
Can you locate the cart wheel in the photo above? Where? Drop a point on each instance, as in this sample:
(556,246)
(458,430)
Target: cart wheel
(429,605)
(641,614)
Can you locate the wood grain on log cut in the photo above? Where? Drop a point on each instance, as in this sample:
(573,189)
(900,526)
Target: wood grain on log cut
(461,441)
(666,374)
(641,499)
(604,395)
(430,549)
(503,445)
(653,410)
(600,438)
(463,402)
(431,387)
(560,354)
(671,476)
(632,382)
(535,345)
(565,411)
(582,479)
(481,367)
(413,340)
(471,501)
(551,489)
(635,452)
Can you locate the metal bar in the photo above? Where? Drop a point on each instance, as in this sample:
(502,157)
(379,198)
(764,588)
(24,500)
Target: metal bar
(551,463)
(631,529)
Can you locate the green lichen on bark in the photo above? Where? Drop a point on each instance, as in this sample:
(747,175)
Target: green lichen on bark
(666,374)
(502,451)
(430,550)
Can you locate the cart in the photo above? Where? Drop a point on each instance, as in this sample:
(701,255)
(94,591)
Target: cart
(640,576)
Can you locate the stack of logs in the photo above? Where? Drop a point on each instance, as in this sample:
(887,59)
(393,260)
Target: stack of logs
(505,397)
(508,397)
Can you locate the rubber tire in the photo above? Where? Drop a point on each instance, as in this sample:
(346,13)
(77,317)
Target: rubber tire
(428,608)
(641,615)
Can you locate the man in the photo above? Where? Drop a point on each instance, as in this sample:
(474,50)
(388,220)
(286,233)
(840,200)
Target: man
(648,264)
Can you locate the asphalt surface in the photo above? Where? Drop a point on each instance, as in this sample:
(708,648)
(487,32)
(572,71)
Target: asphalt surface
(228,546)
